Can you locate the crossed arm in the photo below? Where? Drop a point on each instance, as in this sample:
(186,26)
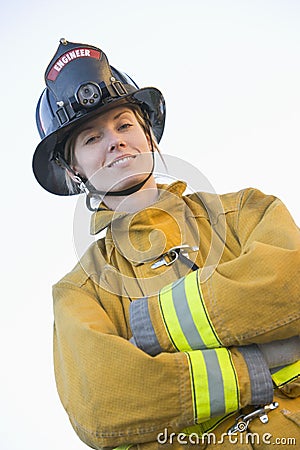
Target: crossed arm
(117,393)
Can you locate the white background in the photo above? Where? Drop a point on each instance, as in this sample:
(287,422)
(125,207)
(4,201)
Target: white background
(230,73)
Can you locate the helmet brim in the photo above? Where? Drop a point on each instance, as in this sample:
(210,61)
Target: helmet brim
(47,171)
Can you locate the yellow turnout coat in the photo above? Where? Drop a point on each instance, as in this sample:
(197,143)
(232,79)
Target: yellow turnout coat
(139,364)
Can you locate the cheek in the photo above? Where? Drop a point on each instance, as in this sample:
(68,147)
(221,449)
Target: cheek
(87,161)
(144,142)
(78,161)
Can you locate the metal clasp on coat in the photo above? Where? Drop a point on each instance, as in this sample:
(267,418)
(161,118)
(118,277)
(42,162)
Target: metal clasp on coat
(242,422)
(172,254)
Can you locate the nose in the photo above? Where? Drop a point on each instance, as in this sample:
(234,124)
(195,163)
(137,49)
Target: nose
(116,143)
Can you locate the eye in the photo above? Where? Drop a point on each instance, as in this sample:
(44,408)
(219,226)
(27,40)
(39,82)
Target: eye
(125,126)
(92,139)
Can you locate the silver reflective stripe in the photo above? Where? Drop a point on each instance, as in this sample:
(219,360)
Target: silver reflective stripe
(142,329)
(185,317)
(215,384)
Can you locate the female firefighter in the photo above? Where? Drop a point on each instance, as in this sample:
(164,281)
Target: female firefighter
(180,326)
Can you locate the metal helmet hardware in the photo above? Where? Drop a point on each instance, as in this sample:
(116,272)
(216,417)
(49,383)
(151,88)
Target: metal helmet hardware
(80,84)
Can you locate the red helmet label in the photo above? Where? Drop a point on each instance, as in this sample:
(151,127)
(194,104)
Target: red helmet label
(67,57)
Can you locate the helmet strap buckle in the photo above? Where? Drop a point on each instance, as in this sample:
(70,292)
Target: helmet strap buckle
(82,185)
(62,115)
(119,88)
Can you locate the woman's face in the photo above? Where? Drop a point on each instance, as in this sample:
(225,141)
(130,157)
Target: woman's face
(112,150)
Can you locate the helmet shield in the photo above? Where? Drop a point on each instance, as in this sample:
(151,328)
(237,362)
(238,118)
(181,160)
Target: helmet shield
(81,84)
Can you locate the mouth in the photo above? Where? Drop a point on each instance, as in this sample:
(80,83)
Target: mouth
(121,160)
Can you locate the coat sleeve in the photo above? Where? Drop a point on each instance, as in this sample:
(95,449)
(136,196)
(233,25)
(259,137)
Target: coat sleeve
(251,299)
(116,394)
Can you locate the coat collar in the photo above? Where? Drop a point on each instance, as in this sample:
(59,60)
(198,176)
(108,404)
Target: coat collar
(144,235)
(103,218)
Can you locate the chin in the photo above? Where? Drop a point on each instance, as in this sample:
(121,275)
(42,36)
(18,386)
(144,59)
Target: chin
(128,183)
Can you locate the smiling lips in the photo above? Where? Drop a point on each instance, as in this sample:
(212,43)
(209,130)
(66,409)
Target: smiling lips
(121,160)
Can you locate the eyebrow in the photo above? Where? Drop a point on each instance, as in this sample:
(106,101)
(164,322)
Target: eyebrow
(114,118)
(122,112)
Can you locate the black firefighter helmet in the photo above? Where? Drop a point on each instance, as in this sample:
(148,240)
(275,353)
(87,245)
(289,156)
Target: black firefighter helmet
(81,84)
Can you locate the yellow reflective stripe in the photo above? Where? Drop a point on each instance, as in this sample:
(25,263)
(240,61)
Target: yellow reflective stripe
(185,315)
(209,425)
(214,383)
(231,393)
(286,374)
(200,390)
(199,311)
(171,320)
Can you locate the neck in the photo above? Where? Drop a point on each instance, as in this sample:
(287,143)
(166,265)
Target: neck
(146,196)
